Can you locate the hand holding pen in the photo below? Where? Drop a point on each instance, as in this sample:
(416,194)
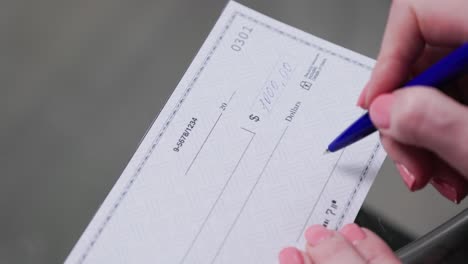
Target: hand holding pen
(424,131)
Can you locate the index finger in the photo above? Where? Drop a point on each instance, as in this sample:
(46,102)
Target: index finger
(401,46)
(413,24)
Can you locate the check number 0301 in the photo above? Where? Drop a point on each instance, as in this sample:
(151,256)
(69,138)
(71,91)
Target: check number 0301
(241,38)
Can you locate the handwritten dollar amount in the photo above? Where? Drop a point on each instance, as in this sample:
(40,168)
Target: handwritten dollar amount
(276,82)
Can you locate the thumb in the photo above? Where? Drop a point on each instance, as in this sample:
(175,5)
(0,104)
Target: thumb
(425,118)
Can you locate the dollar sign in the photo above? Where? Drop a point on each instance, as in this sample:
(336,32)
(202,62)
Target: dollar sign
(254,118)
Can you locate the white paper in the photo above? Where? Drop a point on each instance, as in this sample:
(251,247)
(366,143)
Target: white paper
(233,169)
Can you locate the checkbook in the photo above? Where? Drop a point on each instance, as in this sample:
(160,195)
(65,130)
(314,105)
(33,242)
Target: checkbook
(233,169)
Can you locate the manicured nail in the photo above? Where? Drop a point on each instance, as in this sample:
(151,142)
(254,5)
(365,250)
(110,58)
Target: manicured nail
(448,190)
(291,255)
(362,97)
(407,176)
(353,232)
(380,110)
(316,234)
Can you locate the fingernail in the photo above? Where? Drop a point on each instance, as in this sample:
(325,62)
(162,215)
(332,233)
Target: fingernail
(448,190)
(290,255)
(362,97)
(316,234)
(380,110)
(407,176)
(353,232)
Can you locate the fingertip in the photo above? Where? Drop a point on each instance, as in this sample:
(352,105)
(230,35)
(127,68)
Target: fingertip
(361,100)
(452,188)
(415,165)
(315,234)
(413,181)
(386,77)
(408,177)
(365,97)
(330,248)
(291,255)
(373,249)
(380,110)
(352,232)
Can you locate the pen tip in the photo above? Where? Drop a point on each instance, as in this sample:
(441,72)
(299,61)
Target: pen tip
(326,152)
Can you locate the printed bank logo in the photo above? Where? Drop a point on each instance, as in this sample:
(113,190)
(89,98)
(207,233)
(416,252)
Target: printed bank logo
(306,85)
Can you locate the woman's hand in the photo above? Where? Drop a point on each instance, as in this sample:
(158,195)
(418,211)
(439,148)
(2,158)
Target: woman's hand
(424,131)
(351,245)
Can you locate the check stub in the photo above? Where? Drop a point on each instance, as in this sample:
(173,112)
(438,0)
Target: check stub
(233,168)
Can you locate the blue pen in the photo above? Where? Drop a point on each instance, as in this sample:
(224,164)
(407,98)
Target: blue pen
(447,69)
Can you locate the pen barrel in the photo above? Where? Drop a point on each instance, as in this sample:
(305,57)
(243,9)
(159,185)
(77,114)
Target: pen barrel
(445,70)
(363,125)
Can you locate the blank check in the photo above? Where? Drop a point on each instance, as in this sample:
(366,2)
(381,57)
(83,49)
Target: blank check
(233,168)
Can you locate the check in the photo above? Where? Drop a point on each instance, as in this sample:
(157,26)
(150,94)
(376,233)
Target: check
(233,168)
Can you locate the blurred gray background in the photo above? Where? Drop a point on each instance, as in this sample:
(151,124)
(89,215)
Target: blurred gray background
(81,81)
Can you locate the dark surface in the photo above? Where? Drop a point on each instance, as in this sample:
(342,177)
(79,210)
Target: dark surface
(390,233)
(445,244)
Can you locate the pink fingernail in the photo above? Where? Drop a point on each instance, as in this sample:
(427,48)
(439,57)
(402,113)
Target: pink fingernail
(407,176)
(353,232)
(362,97)
(291,255)
(448,190)
(380,110)
(316,234)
